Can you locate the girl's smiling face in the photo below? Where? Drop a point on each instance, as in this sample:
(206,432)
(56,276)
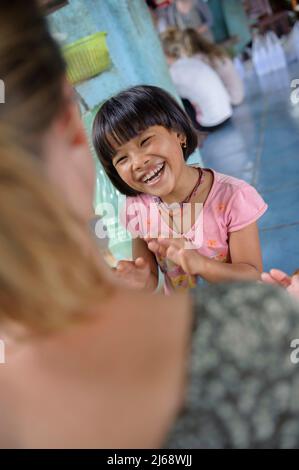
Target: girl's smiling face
(151,162)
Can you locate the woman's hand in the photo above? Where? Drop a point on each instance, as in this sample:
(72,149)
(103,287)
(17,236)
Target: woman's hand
(293,289)
(179,251)
(275,276)
(136,274)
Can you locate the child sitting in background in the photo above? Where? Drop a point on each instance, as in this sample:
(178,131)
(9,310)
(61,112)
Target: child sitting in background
(195,45)
(143,139)
(196,82)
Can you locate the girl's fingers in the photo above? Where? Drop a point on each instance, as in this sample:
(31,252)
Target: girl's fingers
(123,266)
(282,278)
(140,262)
(171,250)
(173,253)
(120,266)
(167,247)
(127,266)
(177,242)
(153,245)
(157,248)
(164,241)
(179,257)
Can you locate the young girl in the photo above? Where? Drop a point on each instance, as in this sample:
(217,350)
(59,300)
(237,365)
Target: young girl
(195,45)
(143,139)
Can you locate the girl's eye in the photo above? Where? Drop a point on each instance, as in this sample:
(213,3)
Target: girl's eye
(121,160)
(144,141)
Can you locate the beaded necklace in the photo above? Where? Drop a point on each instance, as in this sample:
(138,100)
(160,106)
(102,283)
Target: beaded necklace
(172,209)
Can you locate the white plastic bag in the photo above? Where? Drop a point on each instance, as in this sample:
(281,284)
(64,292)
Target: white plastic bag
(292,44)
(276,55)
(260,56)
(268,54)
(239,67)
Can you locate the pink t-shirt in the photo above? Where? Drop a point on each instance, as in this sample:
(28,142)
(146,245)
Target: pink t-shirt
(231,205)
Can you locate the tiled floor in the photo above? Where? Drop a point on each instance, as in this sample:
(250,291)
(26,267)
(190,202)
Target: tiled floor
(261,145)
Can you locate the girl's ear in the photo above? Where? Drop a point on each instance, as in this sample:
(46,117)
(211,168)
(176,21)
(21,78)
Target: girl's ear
(182,139)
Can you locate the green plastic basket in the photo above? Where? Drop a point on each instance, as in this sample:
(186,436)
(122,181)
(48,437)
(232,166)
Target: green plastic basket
(86,57)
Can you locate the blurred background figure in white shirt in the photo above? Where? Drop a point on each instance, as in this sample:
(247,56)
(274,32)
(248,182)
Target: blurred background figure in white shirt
(197,82)
(217,58)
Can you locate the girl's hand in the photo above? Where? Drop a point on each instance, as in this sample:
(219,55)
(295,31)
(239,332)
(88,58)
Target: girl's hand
(136,274)
(177,250)
(282,279)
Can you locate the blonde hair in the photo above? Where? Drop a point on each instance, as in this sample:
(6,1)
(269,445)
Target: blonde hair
(188,42)
(32,70)
(172,43)
(195,43)
(48,277)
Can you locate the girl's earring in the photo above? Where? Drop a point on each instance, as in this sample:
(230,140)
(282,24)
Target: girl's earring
(184,145)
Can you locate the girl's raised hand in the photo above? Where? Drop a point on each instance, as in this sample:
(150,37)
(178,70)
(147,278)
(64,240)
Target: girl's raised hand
(156,247)
(178,251)
(135,274)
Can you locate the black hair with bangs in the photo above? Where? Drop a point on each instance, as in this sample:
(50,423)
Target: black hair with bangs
(132,111)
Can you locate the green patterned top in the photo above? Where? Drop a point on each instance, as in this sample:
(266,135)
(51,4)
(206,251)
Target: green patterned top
(243,389)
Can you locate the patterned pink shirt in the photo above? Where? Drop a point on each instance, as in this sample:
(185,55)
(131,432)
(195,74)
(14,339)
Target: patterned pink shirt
(231,205)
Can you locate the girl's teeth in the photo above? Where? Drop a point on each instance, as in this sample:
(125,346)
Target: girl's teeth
(152,173)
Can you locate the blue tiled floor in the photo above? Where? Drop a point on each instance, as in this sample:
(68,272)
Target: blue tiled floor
(261,146)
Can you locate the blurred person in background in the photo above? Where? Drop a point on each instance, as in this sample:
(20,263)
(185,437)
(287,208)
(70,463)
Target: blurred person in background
(215,56)
(183,14)
(256,9)
(197,82)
